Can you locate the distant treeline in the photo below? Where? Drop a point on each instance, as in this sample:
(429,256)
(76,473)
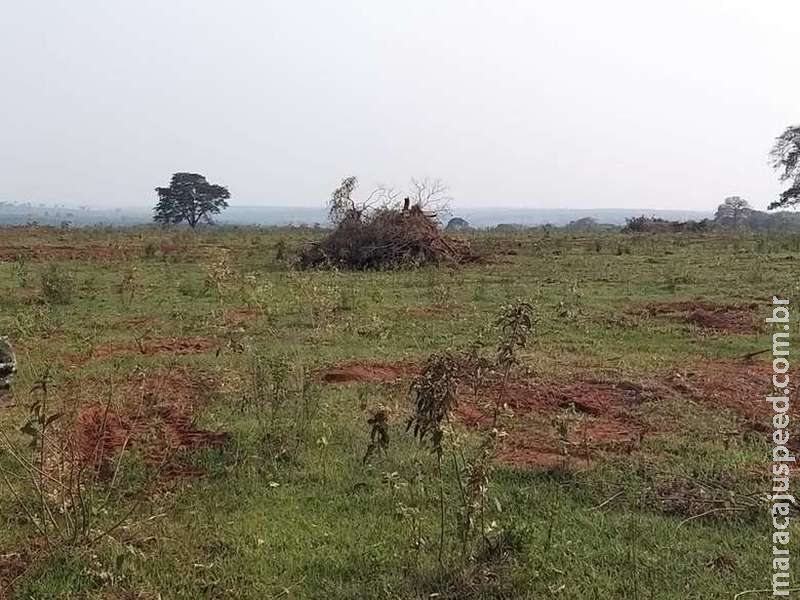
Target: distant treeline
(734,214)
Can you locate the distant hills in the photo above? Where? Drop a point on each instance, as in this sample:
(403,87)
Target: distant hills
(20,214)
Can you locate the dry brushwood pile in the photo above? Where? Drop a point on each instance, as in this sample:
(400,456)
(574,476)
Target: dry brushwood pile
(386,238)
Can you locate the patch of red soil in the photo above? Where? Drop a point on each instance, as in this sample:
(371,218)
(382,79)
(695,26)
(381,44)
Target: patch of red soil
(731,318)
(736,385)
(368,373)
(155,419)
(600,417)
(471,416)
(148,347)
(520,454)
(597,417)
(99,435)
(589,396)
(177,346)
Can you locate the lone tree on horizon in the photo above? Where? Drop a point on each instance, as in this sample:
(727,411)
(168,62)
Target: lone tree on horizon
(189,198)
(785,155)
(731,211)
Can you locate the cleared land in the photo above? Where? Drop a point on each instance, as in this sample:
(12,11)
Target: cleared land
(214,404)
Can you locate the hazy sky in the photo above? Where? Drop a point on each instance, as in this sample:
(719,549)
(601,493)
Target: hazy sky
(618,103)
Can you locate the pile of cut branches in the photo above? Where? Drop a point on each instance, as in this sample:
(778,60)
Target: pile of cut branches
(388,236)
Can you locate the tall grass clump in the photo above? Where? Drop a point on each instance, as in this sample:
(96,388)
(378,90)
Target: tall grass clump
(283,401)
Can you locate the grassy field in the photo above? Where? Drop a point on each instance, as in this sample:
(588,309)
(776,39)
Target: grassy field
(210,410)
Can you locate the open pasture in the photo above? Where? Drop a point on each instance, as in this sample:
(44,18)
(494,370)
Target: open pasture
(212,410)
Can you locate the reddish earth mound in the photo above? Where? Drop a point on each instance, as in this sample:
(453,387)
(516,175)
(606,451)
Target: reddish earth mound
(732,318)
(571,423)
(154,420)
(601,417)
(560,425)
(736,385)
(368,373)
(149,346)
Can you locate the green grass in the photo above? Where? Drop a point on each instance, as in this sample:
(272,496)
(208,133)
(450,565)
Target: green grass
(321,524)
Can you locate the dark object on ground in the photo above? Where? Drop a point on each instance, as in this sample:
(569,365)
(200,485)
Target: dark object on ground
(457,224)
(8,364)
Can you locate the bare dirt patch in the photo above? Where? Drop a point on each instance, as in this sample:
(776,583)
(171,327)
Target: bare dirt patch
(736,385)
(148,347)
(729,318)
(155,419)
(562,424)
(602,417)
(368,373)
(600,414)
(572,423)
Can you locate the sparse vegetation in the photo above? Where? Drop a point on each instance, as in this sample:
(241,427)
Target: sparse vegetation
(254,441)
(57,286)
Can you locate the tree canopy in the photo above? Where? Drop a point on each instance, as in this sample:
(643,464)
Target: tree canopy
(189,198)
(732,211)
(457,224)
(341,204)
(785,156)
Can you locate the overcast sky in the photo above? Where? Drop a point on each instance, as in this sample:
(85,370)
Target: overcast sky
(537,104)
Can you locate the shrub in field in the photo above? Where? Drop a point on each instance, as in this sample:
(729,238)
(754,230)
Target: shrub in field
(284,401)
(57,286)
(280,250)
(435,398)
(192,289)
(379,433)
(21,272)
(150,250)
(322,298)
(221,272)
(129,286)
(441,295)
